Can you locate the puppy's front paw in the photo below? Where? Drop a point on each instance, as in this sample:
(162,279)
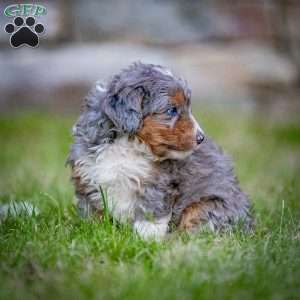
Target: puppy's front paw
(152,230)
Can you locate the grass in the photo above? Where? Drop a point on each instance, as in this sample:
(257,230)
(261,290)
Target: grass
(55,254)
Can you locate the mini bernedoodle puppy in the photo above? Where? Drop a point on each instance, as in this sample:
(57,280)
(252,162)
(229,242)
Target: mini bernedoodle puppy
(137,139)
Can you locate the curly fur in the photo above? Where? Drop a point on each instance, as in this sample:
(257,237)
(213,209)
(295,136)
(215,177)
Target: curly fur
(151,165)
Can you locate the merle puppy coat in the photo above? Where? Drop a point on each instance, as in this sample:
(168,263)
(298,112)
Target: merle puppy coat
(137,139)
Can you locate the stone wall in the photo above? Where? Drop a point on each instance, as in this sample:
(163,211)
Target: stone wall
(240,52)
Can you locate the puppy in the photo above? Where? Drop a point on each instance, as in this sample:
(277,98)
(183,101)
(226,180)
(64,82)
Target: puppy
(136,138)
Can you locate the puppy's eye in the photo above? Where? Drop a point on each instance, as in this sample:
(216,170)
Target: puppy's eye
(172,112)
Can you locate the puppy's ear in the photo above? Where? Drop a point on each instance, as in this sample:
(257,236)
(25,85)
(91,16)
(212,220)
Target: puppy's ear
(125,109)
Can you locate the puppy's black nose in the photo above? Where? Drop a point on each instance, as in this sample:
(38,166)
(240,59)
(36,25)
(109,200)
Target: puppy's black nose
(199,137)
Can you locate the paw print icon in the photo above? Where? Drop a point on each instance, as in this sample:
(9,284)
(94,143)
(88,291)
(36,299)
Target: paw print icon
(24,33)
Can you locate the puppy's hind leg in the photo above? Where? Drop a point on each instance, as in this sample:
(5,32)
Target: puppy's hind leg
(194,216)
(210,212)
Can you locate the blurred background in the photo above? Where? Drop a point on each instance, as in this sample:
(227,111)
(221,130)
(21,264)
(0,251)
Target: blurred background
(236,55)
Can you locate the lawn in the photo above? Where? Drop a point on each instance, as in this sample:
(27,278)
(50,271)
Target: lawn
(54,254)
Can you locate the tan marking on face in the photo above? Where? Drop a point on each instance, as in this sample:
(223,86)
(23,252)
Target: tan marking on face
(178,99)
(161,138)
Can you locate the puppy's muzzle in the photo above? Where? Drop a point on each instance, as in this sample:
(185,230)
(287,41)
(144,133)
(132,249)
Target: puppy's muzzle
(199,137)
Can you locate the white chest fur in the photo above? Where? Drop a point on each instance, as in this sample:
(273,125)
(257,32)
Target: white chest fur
(120,169)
